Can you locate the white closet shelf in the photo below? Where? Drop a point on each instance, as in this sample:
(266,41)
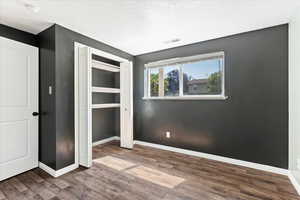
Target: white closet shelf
(105,66)
(105,90)
(106,105)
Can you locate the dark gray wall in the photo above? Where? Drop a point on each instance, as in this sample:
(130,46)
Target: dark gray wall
(104,123)
(57,121)
(47,125)
(251,125)
(21,36)
(105,120)
(65,93)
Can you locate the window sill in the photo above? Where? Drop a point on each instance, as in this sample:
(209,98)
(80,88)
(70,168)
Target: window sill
(204,97)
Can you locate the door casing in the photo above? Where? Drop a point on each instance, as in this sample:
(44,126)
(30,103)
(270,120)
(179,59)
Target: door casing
(83,147)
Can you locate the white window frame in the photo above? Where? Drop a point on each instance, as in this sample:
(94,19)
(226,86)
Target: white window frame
(179,62)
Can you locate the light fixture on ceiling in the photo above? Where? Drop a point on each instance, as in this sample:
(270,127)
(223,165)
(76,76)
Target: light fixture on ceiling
(29,5)
(172,41)
(32,7)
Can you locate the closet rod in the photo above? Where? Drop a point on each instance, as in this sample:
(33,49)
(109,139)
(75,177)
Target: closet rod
(105,90)
(104,66)
(106,105)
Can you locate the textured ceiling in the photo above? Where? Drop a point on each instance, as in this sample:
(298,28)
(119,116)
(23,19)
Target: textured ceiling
(141,26)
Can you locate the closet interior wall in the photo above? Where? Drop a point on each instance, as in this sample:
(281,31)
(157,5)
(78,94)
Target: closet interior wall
(106,121)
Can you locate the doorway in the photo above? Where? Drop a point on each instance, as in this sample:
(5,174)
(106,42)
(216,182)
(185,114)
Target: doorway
(103,100)
(18,108)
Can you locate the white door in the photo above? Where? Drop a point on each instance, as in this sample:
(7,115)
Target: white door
(85,109)
(18,102)
(126,135)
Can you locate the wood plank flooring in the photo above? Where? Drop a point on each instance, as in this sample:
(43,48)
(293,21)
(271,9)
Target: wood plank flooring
(203,180)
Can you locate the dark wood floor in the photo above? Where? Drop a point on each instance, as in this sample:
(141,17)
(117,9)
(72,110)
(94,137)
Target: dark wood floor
(204,180)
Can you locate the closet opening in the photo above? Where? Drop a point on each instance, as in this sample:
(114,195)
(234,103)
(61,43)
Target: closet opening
(104,106)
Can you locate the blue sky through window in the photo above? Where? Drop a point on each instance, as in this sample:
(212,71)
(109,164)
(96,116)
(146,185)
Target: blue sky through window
(202,69)
(169,69)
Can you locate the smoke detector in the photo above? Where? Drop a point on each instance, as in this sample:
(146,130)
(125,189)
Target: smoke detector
(29,5)
(32,7)
(172,41)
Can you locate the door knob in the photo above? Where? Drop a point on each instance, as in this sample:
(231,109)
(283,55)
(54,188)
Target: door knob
(35,114)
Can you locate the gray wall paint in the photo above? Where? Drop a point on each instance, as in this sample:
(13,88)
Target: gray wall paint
(65,39)
(47,125)
(63,117)
(294,94)
(105,120)
(18,35)
(104,123)
(252,125)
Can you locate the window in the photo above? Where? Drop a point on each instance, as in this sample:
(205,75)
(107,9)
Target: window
(195,77)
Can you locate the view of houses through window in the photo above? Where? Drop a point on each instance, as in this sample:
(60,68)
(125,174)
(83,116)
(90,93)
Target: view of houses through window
(203,77)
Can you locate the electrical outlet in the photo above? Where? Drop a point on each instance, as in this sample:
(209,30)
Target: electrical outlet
(168,134)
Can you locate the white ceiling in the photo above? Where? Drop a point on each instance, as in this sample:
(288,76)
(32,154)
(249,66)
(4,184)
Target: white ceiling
(141,26)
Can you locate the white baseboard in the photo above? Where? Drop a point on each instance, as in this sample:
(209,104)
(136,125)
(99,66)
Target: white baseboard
(217,158)
(69,168)
(294,182)
(187,152)
(106,140)
(57,173)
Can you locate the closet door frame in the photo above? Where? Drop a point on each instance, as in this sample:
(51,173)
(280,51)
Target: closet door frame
(79,119)
(126,107)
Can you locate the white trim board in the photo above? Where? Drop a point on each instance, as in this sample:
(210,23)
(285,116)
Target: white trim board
(217,158)
(106,140)
(267,168)
(206,155)
(76,101)
(57,173)
(294,182)
(183,151)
